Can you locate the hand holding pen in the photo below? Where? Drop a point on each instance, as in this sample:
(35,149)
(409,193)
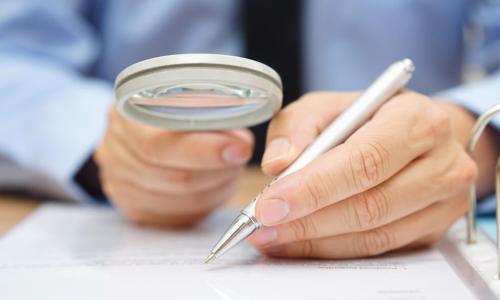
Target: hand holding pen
(400,180)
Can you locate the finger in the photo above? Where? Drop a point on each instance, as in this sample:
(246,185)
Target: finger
(373,154)
(127,194)
(376,241)
(178,182)
(148,218)
(436,235)
(418,186)
(297,125)
(184,150)
(117,161)
(426,241)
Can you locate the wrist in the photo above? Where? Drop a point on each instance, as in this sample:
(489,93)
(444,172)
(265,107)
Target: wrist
(487,148)
(461,120)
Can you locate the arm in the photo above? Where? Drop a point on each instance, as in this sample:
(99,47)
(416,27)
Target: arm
(473,99)
(51,115)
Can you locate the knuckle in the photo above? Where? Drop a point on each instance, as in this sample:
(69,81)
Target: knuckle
(468,171)
(299,230)
(367,164)
(443,183)
(313,195)
(308,248)
(439,123)
(316,187)
(376,242)
(463,173)
(303,229)
(369,209)
(428,122)
(453,177)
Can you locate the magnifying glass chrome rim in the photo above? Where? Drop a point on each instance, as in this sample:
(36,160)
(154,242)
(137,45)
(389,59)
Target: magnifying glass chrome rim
(175,60)
(186,69)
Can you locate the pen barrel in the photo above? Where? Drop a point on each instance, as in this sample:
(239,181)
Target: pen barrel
(391,81)
(384,87)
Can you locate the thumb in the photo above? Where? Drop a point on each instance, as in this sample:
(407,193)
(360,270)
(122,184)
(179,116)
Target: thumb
(297,125)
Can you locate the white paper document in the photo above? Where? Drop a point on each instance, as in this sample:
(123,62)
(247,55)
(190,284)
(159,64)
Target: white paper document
(76,252)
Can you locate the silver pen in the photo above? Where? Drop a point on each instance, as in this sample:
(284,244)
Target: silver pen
(384,87)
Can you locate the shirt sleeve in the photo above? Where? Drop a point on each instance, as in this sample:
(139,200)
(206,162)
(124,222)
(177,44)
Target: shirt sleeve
(477,97)
(482,54)
(51,114)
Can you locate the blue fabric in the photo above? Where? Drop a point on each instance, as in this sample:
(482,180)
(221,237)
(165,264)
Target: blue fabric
(487,206)
(58,60)
(489,226)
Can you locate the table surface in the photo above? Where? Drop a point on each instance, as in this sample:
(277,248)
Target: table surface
(14,208)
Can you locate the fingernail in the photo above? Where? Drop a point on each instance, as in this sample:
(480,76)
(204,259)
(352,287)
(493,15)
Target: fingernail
(273,211)
(277,149)
(235,154)
(265,236)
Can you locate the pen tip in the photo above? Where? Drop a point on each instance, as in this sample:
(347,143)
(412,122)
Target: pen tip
(209,258)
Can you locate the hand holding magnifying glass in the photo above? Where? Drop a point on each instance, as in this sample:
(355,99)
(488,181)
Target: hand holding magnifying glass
(165,178)
(173,152)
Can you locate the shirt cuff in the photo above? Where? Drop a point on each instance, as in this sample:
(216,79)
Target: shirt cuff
(59,132)
(477,97)
(82,125)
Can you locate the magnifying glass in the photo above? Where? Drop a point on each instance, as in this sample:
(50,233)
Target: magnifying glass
(189,92)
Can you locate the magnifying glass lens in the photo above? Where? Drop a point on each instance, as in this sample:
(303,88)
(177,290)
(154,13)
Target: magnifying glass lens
(199,101)
(198,92)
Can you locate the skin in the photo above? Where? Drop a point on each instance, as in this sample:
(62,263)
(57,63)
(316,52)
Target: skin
(398,182)
(162,178)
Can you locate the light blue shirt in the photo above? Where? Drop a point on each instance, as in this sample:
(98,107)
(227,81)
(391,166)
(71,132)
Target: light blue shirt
(58,60)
